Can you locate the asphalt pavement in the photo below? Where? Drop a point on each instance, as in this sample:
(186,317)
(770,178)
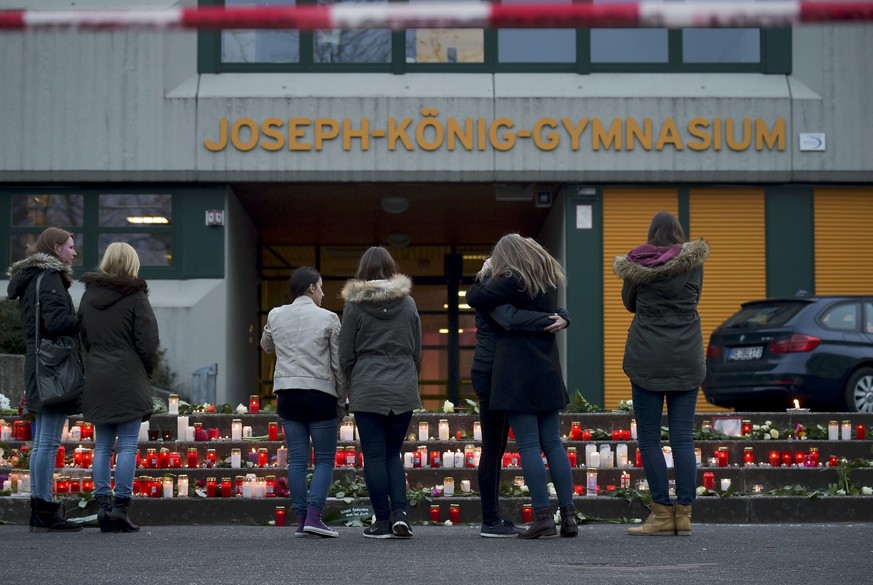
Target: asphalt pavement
(772,554)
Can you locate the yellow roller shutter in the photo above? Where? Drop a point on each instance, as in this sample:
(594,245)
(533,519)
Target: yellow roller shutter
(843,238)
(626,218)
(732,221)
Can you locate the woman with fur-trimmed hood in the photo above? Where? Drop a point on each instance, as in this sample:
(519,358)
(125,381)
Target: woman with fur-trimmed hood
(664,360)
(379,350)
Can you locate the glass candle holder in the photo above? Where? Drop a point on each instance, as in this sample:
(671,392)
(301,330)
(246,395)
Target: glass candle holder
(749,455)
(477,430)
(455,513)
(846,430)
(235,458)
(271,486)
(193,457)
(625,479)
(469,456)
(175,460)
(210,456)
(226,487)
(280,516)
(435,513)
(709,481)
(236,429)
(254,404)
(173,404)
(273,431)
(448,486)
(775,458)
(861,433)
(182,486)
(443,429)
(591,482)
(833,430)
(571,456)
(167,484)
(747,428)
(722,456)
(262,457)
(423,431)
(526,513)
(211,487)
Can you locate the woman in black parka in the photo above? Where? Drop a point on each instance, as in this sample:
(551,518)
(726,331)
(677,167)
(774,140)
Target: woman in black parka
(51,256)
(120,333)
(527,381)
(664,360)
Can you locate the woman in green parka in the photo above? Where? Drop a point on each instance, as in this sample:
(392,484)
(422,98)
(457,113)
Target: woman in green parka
(664,360)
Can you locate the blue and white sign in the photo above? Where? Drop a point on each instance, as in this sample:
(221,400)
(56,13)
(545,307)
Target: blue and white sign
(812,141)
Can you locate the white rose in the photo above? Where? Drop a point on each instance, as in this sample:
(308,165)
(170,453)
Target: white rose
(841,492)
(768,423)
(448,523)
(867,491)
(774,433)
(701,490)
(241,409)
(756,427)
(448,406)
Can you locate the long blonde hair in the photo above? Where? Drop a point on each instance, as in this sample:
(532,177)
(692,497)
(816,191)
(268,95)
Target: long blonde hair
(120,259)
(537,270)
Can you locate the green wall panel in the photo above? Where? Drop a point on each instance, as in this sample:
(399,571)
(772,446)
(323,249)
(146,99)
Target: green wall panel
(790,240)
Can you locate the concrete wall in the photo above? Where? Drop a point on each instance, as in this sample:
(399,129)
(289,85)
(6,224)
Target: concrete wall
(131,107)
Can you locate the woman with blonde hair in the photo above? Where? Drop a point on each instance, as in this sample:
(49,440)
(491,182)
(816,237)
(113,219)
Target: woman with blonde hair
(120,333)
(51,258)
(527,380)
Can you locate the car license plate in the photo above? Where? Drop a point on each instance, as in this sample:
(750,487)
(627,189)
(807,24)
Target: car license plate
(746,353)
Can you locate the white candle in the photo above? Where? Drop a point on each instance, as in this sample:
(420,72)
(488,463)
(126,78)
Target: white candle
(65,433)
(459,459)
(668,456)
(236,429)
(189,434)
(76,433)
(591,481)
(173,404)
(477,455)
(347,432)
(833,430)
(423,431)
(168,487)
(262,488)
(24,483)
(606,457)
(182,427)
(449,486)
(235,458)
(633,429)
(247,488)
(477,430)
(621,455)
(7,485)
(698,455)
(282,457)
(407,460)
(143,432)
(246,432)
(594,460)
(465,485)
(725,484)
(846,430)
(448,459)
(425,462)
(444,429)
(5,432)
(589,449)
(182,486)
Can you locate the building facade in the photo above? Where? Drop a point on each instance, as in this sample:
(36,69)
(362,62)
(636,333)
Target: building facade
(227,159)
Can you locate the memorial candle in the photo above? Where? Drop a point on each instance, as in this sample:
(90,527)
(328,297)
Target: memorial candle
(469,456)
(787,458)
(625,435)
(273,431)
(526,513)
(254,404)
(449,486)
(164,458)
(87,484)
(350,455)
(87,431)
(435,459)
(571,456)
(423,431)
(236,429)
(465,486)
(722,456)
(60,457)
(833,430)
(280,516)
(846,430)
(226,487)
(575,431)
(586,435)
(448,459)
(633,430)
(5,431)
(182,428)
(725,484)
(347,432)
(262,457)
(192,457)
(173,404)
(747,428)
(211,487)
(621,455)
(861,432)
(182,486)
(282,457)
(833,461)
(210,457)
(235,458)
(455,513)
(775,458)
(477,430)
(748,455)
(591,482)
(435,513)
(175,460)
(443,429)
(271,486)
(709,481)
(168,487)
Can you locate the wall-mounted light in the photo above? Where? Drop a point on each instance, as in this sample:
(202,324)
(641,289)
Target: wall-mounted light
(147,219)
(395,205)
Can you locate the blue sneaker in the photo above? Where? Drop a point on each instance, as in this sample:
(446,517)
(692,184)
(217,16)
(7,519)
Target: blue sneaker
(500,528)
(379,530)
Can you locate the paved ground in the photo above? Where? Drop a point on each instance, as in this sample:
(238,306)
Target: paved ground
(773,554)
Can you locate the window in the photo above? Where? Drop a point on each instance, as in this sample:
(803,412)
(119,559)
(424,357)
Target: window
(843,317)
(488,50)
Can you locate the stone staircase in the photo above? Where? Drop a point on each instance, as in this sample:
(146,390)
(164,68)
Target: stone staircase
(758,492)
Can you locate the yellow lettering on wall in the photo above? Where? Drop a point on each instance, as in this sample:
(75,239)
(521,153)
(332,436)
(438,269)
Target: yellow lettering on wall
(271,128)
(325,129)
(295,133)
(481,134)
(764,136)
(396,133)
(504,141)
(436,130)
(463,135)
(716,134)
(549,140)
(574,131)
(641,135)
(697,128)
(599,135)
(363,134)
(253,134)
(669,135)
(222,137)
(746,140)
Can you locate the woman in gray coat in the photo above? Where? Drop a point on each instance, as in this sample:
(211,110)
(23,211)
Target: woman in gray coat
(379,347)
(120,333)
(664,360)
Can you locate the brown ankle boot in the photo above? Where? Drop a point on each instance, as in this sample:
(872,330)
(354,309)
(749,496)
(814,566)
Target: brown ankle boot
(683,519)
(543,525)
(659,523)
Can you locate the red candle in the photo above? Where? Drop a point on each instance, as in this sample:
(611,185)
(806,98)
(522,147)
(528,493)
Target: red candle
(514,459)
(87,484)
(138,459)
(507,458)
(610,488)
(151,458)
(75,485)
(226,487)
(273,431)
(435,513)
(747,427)
(586,435)
(86,432)
(60,457)
(155,488)
(87,457)
(526,514)
(271,486)
(833,461)
(639,459)
(167,435)
(625,435)
(63,485)
(137,486)
(210,457)
(436,458)
(787,458)
(511,434)
(455,513)
(214,434)
(861,432)
(350,456)
(339,460)
(192,457)
(749,455)
(254,404)
(280,515)
(200,434)
(709,480)
(775,458)
(175,460)
(164,458)
(77,457)
(579,490)
(813,457)
(262,457)
(571,456)
(211,486)
(469,456)
(575,431)
(416,459)
(722,456)
(238,482)
(799,457)
(616,435)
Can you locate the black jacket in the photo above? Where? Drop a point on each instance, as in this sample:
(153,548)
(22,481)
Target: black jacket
(120,334)
(57,314)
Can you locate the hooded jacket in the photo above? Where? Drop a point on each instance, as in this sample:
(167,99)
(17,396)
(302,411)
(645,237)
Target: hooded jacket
(57,314)
(380,345)
(305,338)
(120,334)
(664,349)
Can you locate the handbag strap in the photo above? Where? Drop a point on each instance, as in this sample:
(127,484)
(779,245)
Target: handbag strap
(38,281)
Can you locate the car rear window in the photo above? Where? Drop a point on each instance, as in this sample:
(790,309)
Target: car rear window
(765,314)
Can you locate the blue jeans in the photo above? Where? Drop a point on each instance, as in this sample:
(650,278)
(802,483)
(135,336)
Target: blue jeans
(46,440)
(324,437)
(536,433)
(125,462)
(381,440)
(495,431)
(648,409)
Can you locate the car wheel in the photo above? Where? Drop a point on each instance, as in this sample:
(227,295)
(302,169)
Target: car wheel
(859,391)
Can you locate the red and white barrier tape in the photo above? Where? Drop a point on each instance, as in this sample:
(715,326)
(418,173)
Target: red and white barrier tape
(474,15)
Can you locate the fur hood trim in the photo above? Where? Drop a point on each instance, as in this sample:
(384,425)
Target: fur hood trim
(42,261)
(377,291)
(121,284)
(691,257)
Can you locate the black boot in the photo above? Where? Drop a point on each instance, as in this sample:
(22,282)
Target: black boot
(48,520)
(104,508)
(119,519)
(543,525)
(568,521)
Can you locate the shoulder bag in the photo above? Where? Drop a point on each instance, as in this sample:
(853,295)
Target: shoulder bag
(59,375)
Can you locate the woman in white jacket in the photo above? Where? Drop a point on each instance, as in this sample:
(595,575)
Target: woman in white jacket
(311,390)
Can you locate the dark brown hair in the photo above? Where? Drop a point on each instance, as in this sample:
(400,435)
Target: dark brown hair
(665,230)
(376,263)
(48,240)
(302,278)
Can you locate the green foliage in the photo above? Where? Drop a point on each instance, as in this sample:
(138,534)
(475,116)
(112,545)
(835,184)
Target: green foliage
(349,491)
(578,403)
(11,333)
